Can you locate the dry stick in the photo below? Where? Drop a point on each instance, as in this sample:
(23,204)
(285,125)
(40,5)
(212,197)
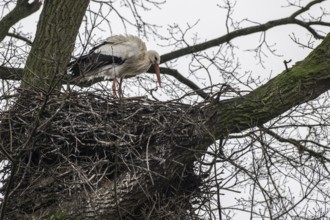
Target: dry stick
(115,182)
(5,199)
(14,168)
(147,160)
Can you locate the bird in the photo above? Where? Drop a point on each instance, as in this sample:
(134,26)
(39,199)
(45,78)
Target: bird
(117,56)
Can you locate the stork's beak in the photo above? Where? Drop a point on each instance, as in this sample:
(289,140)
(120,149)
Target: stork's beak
(156,66)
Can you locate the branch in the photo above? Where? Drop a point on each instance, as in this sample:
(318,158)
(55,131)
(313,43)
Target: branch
(306,8)
(309,28)
(244,31)
(302,83)
(7,73)
(20,37)
(80,81)
(301,148)
(22,9)
(184,80)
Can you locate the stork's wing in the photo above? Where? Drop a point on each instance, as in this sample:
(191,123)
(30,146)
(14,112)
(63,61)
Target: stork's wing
(92,61)
(121,46)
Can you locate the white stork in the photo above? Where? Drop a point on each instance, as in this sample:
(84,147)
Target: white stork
(116,57)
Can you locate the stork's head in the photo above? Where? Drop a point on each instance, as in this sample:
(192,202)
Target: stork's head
(154,59)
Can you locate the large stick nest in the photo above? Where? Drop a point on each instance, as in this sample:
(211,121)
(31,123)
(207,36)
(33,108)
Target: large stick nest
(95,157)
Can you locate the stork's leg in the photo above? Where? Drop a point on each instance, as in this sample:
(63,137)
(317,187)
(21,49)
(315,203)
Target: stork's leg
(114,88)
(120,90)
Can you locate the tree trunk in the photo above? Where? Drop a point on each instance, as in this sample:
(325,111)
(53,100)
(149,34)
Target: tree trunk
(55,38)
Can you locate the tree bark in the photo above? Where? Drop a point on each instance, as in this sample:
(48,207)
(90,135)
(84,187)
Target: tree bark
(55,37)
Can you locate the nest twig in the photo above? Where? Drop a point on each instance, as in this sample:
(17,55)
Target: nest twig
(95,156)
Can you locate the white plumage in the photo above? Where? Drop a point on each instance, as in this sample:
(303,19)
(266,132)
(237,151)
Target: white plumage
(116,57)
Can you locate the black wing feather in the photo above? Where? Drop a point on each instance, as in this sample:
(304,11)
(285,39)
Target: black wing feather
(92,61)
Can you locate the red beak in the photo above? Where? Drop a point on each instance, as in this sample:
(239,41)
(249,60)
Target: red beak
(156,66)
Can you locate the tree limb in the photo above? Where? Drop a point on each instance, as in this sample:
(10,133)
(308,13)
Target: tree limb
(184,80)
(306,8)
(302,83)
(242,32)
(8,73)
(20,37)
(22,9)
(297,143)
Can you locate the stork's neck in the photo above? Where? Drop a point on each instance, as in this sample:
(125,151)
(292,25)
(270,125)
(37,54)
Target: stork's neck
(137,65)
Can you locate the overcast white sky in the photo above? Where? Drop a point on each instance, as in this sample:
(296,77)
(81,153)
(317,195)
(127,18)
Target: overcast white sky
(212,24)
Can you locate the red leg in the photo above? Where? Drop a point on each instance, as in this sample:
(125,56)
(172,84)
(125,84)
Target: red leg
(120,90)
(114,88)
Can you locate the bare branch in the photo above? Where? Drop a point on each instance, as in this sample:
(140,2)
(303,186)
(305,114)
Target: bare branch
(297,143)
(314,80)
(306,8)
(8,73)
(184,80)
(245,31)
(20,37)
(22,9)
